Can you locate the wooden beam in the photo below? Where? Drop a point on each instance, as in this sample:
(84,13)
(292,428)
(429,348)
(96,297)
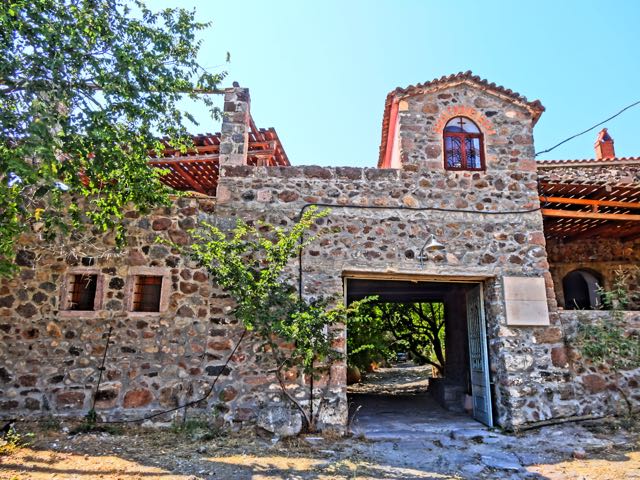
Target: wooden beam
(586,201)
(630,235)
(610,230)
(622,217)
(190,180)
(213,158)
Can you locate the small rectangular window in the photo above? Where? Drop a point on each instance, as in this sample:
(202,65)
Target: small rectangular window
(82,292)
(146,293)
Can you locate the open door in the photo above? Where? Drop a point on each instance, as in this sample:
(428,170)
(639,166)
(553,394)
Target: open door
(479,358)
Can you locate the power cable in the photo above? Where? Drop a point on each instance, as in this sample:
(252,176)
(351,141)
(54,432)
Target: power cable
(589,129)
(400,208)
(188,404)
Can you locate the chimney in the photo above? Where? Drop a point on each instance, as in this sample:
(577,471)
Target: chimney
(604,146)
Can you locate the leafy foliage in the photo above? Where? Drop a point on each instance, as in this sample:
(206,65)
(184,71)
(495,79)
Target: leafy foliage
(605,342)
(380,330)
(250,263)
(87,88)
(13,440)
(368,339)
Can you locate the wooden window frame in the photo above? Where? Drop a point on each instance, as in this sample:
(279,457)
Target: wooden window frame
(165,289)
(65,293)
(140,303)
(463,147)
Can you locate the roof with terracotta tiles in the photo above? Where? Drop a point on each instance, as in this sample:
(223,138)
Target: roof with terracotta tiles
(197,170)
(586,162)
(535,107)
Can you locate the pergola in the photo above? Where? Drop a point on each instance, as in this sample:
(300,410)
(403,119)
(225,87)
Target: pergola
(198,169)
(581,208)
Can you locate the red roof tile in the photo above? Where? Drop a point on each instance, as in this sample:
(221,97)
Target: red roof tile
(588,161)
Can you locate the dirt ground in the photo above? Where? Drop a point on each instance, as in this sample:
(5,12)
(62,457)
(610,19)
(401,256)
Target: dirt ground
(413,442)
(139,453)
(401,379)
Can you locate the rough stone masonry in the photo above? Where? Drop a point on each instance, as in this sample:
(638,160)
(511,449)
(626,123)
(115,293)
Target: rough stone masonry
(488,221)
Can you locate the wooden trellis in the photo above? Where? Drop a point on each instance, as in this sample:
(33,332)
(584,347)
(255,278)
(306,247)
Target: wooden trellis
(198,169)
(575,209)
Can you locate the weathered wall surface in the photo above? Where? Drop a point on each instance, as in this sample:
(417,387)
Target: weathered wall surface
(603,255)
(49,358)
(477,242)
(606,172)
(593,389)
(507,129)
(383,240)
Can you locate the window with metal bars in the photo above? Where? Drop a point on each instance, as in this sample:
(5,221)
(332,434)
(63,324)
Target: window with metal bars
(82,292)
(463,145)
(146,293)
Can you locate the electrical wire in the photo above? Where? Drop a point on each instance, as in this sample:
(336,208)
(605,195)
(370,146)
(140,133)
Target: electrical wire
(300,290)
(400,208)
(188,404)
(588,129)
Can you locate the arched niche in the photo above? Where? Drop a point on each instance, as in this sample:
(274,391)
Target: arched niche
(582,290)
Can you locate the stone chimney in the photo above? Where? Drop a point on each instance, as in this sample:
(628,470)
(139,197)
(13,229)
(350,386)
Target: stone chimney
(604,146)
(234,132)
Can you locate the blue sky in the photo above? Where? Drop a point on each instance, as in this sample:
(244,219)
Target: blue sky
(319,71)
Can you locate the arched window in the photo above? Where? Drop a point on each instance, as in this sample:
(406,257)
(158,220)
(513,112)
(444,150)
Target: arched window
(463,149)
(582,290)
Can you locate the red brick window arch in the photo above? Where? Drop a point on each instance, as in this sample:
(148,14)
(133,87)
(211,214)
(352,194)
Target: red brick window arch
(463,145)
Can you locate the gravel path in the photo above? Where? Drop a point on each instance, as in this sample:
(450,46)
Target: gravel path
(401,379)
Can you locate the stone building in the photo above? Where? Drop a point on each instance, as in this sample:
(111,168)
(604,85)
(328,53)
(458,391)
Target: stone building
(522,242)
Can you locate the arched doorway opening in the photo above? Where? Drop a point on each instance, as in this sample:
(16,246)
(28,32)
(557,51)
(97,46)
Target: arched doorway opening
(582,290)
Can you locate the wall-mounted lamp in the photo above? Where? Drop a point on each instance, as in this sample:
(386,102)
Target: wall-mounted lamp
(431,245)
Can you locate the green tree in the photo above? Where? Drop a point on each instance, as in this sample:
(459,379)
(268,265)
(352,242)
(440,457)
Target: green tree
(378,330)
(368,337)
(250,263)
(87,89)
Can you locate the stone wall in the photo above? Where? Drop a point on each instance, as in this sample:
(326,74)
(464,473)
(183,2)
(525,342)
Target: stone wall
(613,172)
(49,357)
(379,220)
(603,255)
(593,389)
(362,239)
(507,129)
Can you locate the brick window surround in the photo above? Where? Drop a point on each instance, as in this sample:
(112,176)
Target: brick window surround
(73,291)
(141,294)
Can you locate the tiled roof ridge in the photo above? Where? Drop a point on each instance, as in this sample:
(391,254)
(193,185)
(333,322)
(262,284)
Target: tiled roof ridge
(543,163)
(468,75)
(535,106)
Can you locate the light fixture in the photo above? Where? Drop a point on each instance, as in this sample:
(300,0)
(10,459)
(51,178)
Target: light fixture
(431,245)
